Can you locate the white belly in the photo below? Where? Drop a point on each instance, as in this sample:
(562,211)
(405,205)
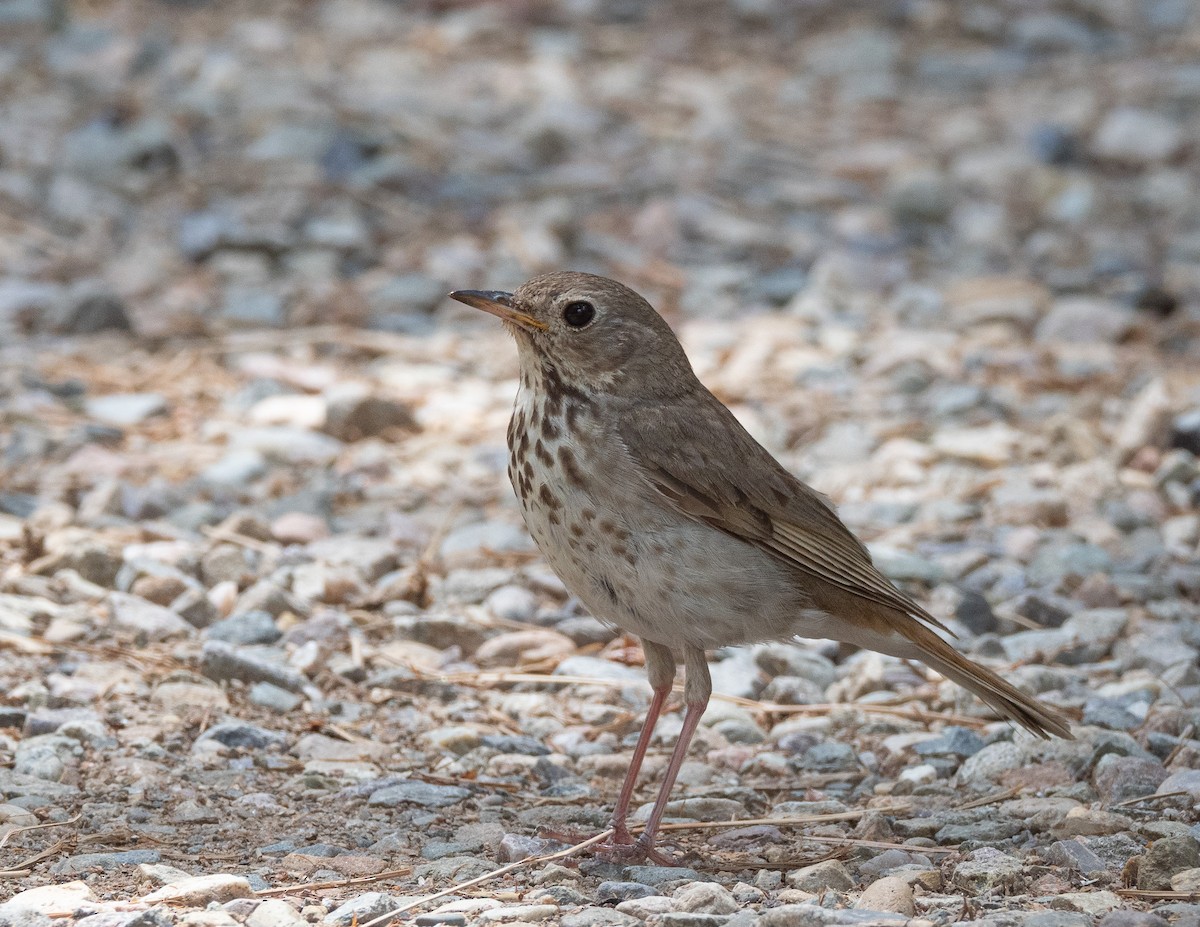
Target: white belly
(637,563)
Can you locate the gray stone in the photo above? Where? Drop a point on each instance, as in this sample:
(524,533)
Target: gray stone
(274,912)
(46,756)
(236,468)
(1084,319)
(987,870)
(245,736)
(738,675)
(125,409)
(811,915)
(1164,859)
(454,868)
(372,557)
(599,668)
(1185,431)
(1137,137)
(251,627)
(514,847)
(585,630)
(133,614)
(267,596)
(704,898)
(85,861)
(1185,780)
(512,603)
(1118,778)
(905,566)
(1132,919)
(89,307)
(266,695)
(354,417)
(515,743)
(403,302)
(598,917)
(954,741)
(623,891)
(287,445)
(691,919)
(820,877)
(1057,561)
(1076,855)
(975,612)
(361,909)
(830,756)
(253,308)
(93,562)
(424,794)
(478,543)
(1106,713)
(220,661)
(440,631)
(1116,850)
(921,196)
(659,875)
(986,831)
(783,659)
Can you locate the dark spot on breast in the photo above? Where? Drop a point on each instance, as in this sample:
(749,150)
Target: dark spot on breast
(542,454)
(587,514)
(576,529)
(570,466)
(559,393)
(527,469)
(523,444)
(548,498)
(550,429)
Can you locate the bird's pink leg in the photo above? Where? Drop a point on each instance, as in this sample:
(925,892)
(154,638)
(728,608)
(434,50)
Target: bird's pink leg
(697,690)
(660,667)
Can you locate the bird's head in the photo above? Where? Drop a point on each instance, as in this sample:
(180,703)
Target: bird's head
(595,334)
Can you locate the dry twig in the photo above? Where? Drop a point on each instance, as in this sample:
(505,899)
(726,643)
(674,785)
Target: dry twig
(21,830)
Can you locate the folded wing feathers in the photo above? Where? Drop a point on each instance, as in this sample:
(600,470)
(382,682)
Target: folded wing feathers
(845,567)
(825,555)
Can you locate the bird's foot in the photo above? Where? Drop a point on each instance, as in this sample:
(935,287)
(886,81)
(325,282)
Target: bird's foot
(620,847)
(628,850)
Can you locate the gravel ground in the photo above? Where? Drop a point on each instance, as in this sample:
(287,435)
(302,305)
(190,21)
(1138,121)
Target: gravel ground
(275,647)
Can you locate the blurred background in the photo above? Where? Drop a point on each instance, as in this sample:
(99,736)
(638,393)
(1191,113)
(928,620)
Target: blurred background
(258,555)
(190,167)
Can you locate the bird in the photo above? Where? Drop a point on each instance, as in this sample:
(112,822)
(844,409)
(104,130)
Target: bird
(668,520)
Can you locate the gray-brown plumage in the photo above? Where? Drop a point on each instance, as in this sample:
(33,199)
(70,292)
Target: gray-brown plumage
(666,518)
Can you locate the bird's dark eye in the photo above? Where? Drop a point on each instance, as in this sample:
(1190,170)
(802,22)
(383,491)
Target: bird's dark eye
(578,314)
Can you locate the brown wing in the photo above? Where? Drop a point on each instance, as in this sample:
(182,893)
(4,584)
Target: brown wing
(701,459)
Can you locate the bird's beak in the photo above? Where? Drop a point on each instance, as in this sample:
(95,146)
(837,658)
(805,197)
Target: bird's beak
(498,303)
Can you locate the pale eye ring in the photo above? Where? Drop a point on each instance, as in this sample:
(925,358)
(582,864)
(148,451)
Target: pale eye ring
(579,313)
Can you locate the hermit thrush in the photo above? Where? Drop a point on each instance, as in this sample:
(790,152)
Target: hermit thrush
(665,518)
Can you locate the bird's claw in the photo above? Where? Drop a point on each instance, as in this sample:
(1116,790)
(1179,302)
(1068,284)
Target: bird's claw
(620,847)
(623,848)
